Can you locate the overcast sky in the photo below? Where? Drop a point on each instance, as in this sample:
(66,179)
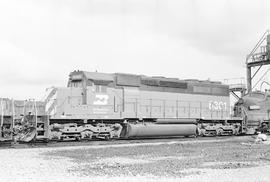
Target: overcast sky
(42,41)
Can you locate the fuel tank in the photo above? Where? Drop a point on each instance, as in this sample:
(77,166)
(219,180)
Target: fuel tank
(148,130)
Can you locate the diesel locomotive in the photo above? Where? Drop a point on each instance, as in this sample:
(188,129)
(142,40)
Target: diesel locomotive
(131,106)
(254,108)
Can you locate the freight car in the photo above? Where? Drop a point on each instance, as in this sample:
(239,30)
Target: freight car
(127,105)
(23,120)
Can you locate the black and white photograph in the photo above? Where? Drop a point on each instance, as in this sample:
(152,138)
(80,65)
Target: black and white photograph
(134,90)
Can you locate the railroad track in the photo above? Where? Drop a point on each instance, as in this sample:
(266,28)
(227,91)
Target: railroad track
(52,144)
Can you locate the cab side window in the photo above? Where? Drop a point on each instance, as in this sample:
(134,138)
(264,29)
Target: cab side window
(89,83)
(100,89)
(76,84)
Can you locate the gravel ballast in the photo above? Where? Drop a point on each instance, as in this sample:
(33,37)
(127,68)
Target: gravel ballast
(213,159)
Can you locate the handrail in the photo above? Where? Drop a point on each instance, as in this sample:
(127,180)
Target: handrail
(263,83)
(261,78)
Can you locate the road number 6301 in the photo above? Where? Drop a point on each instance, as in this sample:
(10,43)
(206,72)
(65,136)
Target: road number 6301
(216,105)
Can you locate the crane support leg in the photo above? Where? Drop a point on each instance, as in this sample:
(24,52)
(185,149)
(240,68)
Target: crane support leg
(249,79)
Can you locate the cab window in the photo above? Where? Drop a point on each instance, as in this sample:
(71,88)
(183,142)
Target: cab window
(100,89)
(89,83)
(76,84)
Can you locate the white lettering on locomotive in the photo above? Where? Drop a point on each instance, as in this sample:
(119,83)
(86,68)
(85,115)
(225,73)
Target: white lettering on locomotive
(215,105)
(100,110)
(101,100)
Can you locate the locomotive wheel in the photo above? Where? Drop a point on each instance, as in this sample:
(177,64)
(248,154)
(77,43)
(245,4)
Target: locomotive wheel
(86,134)
(202,132)
(219,132)
(107,137)
(78,138)
(235,132)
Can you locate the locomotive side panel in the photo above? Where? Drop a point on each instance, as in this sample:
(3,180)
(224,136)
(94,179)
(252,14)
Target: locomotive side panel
(131,102)
(100,105)
(138,104)
(174,105)
(119,96)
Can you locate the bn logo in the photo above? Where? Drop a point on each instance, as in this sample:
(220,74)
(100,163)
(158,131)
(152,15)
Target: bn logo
(101,100)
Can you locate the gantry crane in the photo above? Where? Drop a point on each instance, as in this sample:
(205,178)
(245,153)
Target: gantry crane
(258,57)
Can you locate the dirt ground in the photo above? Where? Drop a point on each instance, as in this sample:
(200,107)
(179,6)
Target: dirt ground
(205,159)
